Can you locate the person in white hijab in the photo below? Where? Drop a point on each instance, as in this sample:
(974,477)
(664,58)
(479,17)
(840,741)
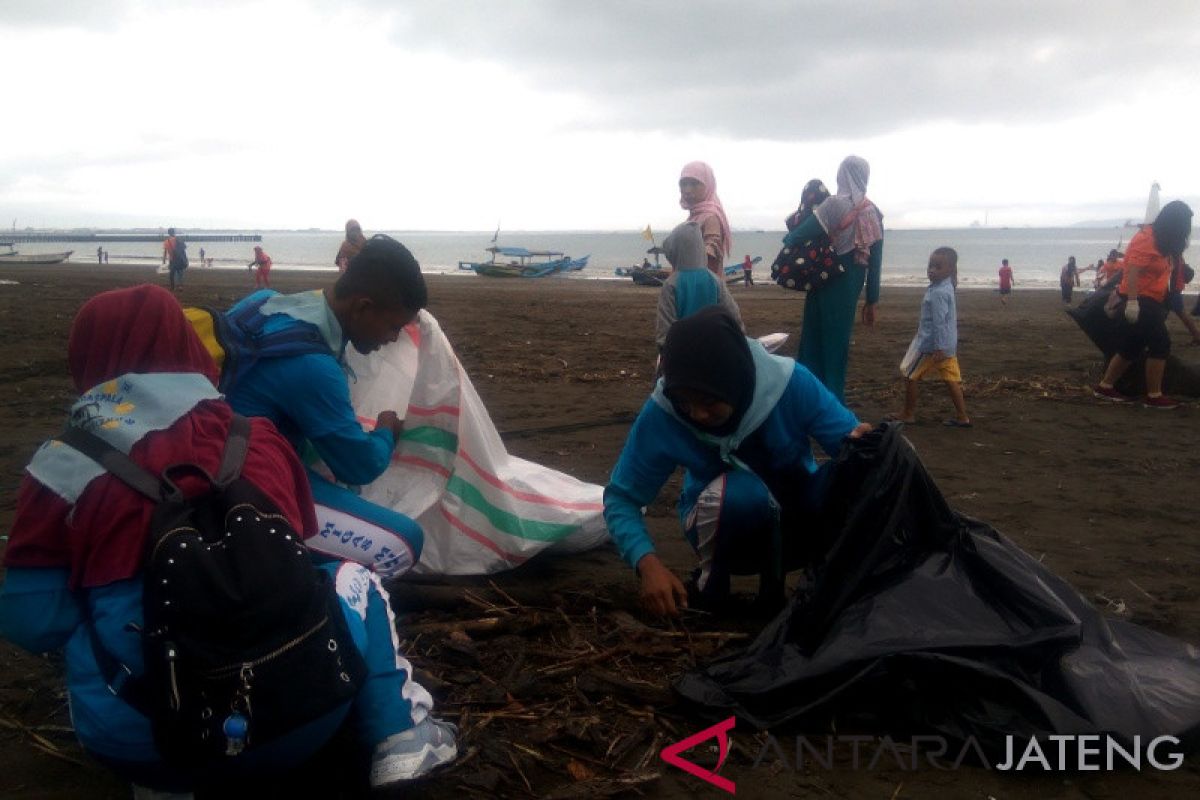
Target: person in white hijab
(855,227)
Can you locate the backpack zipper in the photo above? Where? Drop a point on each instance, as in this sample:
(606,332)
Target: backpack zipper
(278,651)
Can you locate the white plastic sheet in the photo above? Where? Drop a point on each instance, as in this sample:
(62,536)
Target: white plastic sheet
(482,510)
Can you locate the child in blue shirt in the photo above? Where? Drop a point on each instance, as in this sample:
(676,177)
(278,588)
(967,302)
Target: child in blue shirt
(935,346)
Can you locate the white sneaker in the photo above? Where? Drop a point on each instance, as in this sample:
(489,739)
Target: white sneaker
(414,753)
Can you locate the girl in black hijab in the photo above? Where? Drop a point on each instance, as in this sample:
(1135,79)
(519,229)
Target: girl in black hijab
(739,421)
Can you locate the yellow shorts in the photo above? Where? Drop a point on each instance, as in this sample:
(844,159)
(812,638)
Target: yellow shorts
(946,369)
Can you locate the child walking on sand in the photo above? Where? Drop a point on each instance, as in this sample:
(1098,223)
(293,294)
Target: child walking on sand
(935,345)
(262,278)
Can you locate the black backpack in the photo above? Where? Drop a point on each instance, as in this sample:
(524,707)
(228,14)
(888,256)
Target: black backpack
(244,639)
(179,259)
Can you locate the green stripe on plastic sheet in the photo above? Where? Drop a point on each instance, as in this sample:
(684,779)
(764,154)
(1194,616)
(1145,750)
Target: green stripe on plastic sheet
(504,521)
(433,437)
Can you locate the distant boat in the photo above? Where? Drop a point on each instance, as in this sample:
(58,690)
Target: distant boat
(524,263)
(13,257)
(644,276)
(653,276)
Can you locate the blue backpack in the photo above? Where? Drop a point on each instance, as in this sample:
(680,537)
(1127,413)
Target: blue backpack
(237,341)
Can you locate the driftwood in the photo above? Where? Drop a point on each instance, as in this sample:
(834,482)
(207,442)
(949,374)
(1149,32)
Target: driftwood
(567,700)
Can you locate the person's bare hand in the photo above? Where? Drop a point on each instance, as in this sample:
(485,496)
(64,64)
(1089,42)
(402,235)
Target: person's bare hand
(390,420)
(662,593)
(859,430)
(868,314)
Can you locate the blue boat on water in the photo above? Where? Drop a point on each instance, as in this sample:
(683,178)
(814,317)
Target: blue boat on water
(524,263)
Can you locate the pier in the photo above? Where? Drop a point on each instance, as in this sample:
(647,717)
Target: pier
(103,238)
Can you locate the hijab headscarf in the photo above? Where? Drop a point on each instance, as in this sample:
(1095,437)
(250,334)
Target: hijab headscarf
(851,220)
(813,194)
(100,536)
(684,247)
(707,352)
(140,329)
(710,203)
(355,240)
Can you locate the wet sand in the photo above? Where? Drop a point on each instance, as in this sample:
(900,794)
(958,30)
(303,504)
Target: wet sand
(1100,493)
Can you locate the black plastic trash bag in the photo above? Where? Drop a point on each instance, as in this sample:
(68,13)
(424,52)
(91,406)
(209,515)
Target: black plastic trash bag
(1179,377)
(922,621)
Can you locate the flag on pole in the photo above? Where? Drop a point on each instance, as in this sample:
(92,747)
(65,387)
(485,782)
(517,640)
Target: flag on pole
(496,235)
(647,234)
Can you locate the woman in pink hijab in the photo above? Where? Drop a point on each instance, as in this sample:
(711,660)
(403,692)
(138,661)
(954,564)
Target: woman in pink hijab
(698,194)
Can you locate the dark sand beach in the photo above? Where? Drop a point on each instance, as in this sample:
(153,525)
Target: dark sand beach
(565,691)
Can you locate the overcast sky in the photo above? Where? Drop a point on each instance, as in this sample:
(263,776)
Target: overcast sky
(557,114)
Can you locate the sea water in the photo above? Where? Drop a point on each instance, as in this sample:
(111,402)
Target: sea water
(1035,254)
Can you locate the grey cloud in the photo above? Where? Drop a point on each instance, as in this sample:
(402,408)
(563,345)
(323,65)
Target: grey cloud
(815,70)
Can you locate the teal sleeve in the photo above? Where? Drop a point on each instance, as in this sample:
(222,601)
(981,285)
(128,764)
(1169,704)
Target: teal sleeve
(874,272)
(37,610)
(312,394)
(356,458)
(806,230)
(644,466)
(815,411)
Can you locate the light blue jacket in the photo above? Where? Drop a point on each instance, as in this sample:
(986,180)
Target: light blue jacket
(938,328)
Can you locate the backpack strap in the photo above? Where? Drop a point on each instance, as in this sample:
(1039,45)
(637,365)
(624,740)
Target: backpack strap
(114,461)
(117,676)
(236,446)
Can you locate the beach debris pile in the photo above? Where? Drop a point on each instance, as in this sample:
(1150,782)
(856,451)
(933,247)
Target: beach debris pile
(559,695)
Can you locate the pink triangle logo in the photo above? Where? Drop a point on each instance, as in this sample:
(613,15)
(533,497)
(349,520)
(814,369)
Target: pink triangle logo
(670,754)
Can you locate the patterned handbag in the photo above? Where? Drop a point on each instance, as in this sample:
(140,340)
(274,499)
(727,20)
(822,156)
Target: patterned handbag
(807,266)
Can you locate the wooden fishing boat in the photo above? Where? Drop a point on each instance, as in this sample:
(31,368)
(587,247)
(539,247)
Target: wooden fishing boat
(524,263)
(644,276)
(13,257)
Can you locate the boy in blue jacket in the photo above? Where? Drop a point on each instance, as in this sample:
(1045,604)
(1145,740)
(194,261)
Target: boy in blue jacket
(738,420)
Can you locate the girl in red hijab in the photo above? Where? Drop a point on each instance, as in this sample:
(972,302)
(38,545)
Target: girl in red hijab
(74,556)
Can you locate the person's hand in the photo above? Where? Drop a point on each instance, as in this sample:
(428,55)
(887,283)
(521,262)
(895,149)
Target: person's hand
(859,430)
(391,421)
(868,314)
(1131,311)
(662,593)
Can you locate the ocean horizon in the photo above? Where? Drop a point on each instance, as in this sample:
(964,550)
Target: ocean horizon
(1035,254)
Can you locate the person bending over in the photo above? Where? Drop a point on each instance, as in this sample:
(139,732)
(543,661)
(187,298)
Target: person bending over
(738,420)
(307,395)
(1153,256)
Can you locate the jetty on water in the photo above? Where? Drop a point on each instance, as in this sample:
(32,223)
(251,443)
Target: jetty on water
(102,238)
